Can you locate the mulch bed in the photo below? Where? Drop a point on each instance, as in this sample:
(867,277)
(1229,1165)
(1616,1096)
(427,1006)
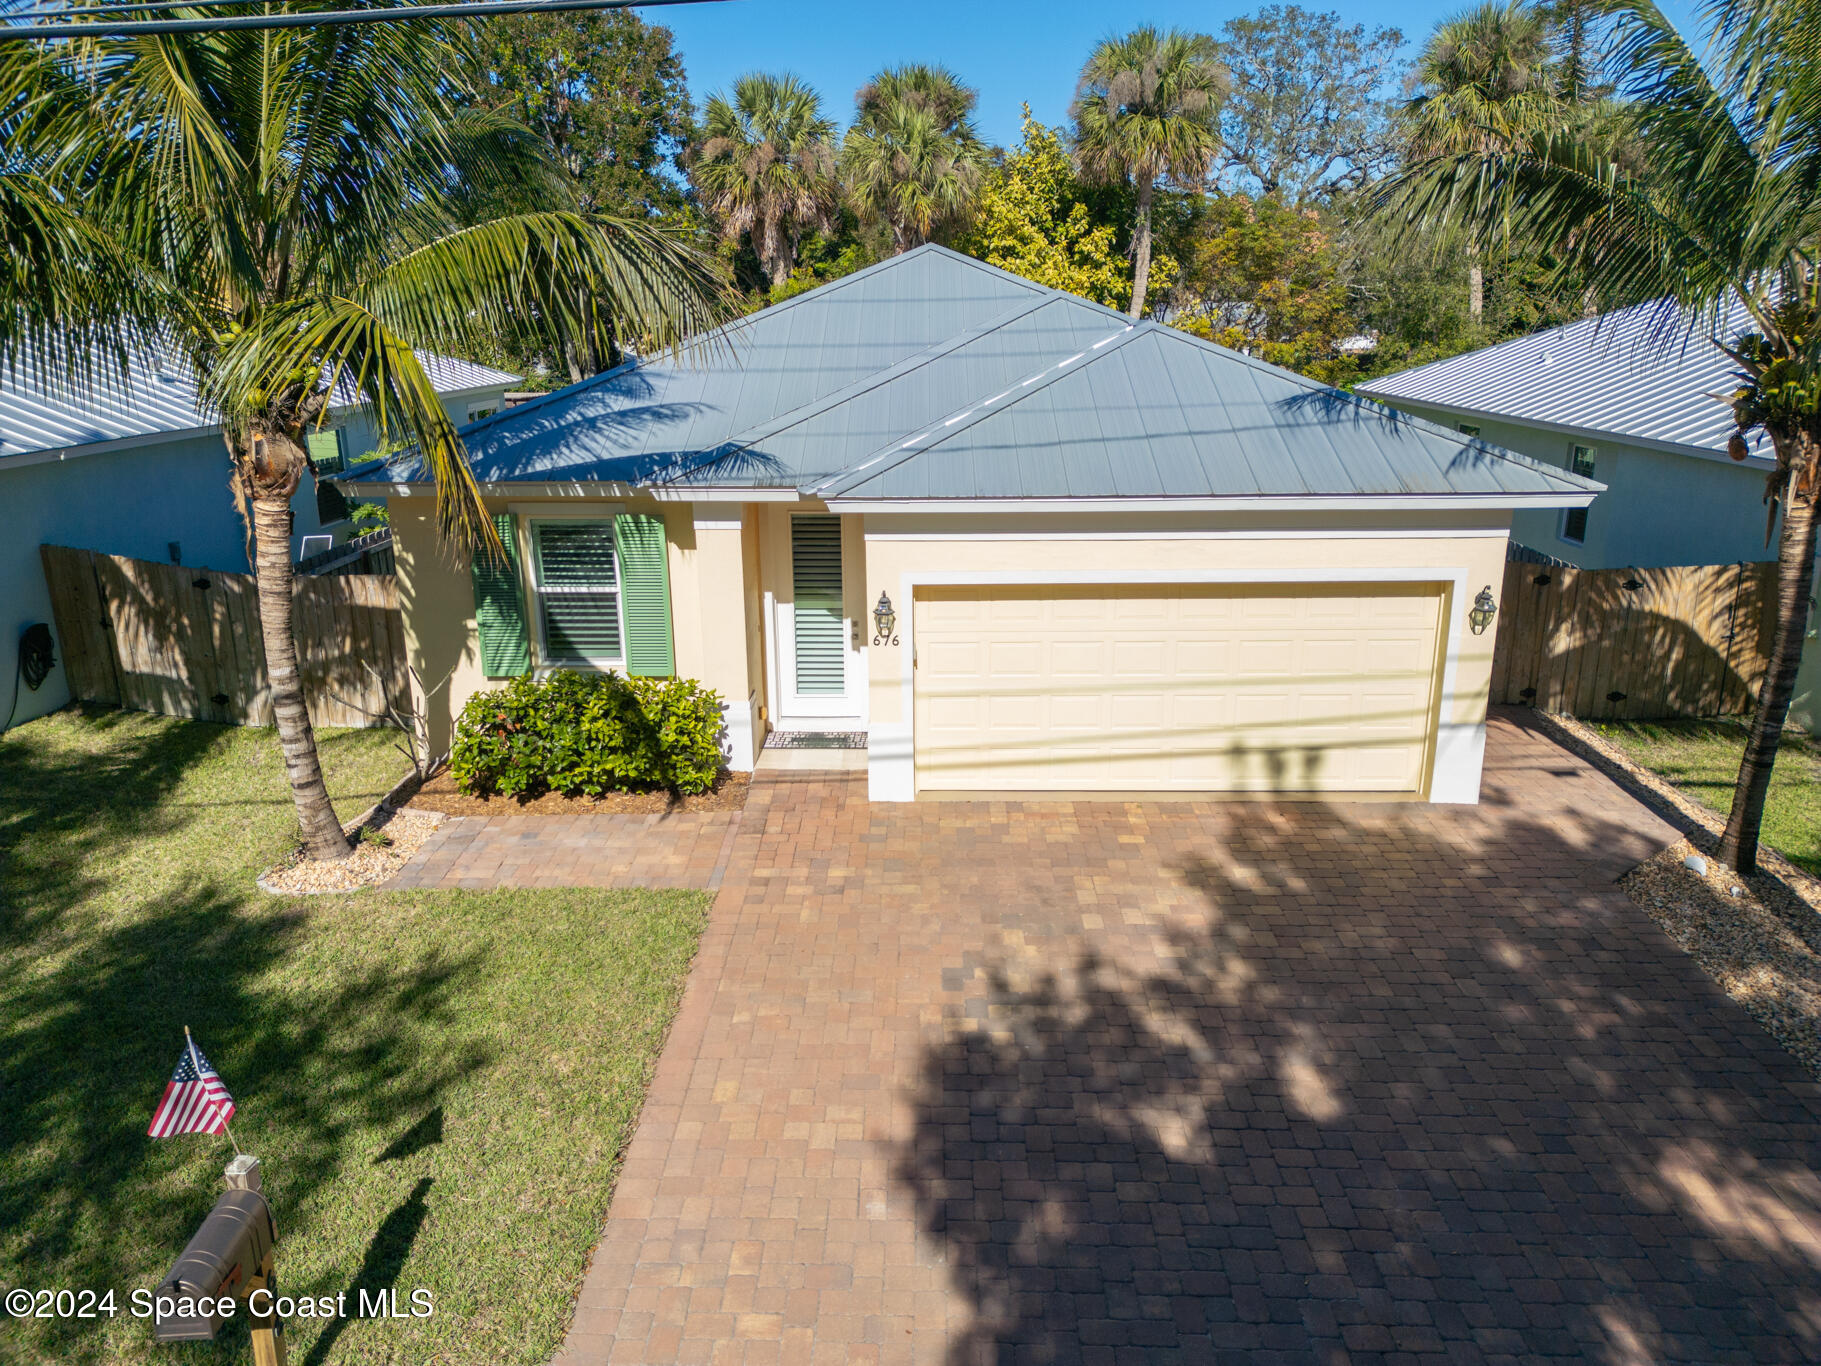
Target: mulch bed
(441,794)
(1759,937)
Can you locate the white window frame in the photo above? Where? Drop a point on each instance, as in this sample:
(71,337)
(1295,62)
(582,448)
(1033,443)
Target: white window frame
(535,592)
(482,408)
(1592,454)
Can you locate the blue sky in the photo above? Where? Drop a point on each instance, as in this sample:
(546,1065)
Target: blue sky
(1011,50)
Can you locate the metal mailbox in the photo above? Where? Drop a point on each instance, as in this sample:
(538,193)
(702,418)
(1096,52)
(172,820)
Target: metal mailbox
(232,1248)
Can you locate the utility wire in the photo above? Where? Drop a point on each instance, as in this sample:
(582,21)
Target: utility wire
(46,32)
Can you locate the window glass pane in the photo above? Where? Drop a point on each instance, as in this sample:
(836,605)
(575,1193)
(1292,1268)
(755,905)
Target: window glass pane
(575,554)
(581,625)
(1468,429)
(1574,525)
(1583,461)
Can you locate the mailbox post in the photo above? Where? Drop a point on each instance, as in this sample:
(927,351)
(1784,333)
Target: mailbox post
(230,1257)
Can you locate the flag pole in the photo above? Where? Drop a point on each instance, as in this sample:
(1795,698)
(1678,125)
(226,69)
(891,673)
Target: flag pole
(196,1062)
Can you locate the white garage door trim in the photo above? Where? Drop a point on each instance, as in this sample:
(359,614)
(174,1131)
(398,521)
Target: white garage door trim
(1460,748)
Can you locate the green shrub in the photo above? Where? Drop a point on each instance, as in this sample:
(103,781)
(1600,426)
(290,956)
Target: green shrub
(589,733)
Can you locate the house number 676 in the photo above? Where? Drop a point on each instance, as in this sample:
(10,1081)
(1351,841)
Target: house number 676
(885,640)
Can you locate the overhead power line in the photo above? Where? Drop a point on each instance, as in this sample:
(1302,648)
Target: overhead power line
(35,31)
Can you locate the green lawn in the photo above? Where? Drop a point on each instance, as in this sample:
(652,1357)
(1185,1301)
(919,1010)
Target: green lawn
(438,1083)
(1702,758)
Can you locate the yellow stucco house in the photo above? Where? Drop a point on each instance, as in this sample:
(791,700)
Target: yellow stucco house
(1016,541)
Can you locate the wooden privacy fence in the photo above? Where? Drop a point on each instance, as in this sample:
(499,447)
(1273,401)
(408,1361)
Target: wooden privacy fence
(185,642)
(1690,640)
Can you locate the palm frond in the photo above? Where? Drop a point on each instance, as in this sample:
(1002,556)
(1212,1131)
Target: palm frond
(549,277)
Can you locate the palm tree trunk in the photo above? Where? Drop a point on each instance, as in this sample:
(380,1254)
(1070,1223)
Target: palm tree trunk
(1476,290)
(1795,582)
(271,511)
(1141,246)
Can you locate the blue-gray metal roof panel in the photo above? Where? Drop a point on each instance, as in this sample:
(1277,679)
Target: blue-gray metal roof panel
(1642,374)
(157,396)
(1160,414)
(655,417)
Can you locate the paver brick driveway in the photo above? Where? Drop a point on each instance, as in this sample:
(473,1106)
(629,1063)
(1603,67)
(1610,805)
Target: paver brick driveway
(1161,1083)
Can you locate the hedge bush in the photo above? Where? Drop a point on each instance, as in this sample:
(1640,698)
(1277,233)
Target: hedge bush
(589,733)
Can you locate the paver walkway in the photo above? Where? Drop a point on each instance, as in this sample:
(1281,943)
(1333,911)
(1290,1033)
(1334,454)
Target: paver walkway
(688,849)
(1208,1082)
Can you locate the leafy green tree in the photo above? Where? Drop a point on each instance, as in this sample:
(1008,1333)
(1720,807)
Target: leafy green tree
(1308,113)
(1148,109)
(281,206)
(1035,218)
(606,92)
(764,166)
(912,159)
(1719,212)
(1266,279)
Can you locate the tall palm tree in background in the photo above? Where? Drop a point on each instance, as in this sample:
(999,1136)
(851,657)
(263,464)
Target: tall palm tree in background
(284,210)
(1715,209)
(765,165)
(912,158)
(1485,82)
(1147,109)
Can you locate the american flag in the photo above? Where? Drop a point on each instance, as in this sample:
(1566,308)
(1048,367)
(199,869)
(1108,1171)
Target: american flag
(195,1101)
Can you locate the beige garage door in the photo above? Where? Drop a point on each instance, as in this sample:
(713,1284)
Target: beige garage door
(1297,688)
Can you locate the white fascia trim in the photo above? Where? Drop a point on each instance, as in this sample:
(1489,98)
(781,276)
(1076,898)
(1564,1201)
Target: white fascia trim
(1210,534)
(1460,747)
(1363,503)
(1593,435)
(724,495)
(53,455)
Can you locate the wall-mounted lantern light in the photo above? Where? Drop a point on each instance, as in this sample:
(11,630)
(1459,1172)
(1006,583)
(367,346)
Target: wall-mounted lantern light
(1484,609)
(885,621)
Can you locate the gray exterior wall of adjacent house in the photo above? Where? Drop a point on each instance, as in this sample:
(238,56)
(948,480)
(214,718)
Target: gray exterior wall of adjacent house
(1659,508)
(135,498)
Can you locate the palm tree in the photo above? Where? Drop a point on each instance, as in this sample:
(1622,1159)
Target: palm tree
(282,208)
(1485,81)
(912,157)
(1148,109)
(765,165)
(1714,209)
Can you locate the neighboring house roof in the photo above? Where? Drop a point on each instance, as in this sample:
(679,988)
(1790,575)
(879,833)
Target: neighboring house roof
(1622,375)
(934,376)
(157,399)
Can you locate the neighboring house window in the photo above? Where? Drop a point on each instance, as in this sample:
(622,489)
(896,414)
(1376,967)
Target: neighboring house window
(1468,429)
(331,503)
(480,410)
(326,453)
(577,586)
(1574,520)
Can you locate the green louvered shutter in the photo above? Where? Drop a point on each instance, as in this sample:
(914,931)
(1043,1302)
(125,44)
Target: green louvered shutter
(645,596)
(499,610)
(819,621)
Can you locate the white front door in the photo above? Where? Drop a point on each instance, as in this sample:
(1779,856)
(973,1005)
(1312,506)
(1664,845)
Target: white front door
(819,666)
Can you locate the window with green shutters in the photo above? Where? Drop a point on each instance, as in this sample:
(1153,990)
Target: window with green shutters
(576,584)
(597,591)
(817,616)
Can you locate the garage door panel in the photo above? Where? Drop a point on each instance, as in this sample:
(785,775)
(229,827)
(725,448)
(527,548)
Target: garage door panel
(1231,688)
